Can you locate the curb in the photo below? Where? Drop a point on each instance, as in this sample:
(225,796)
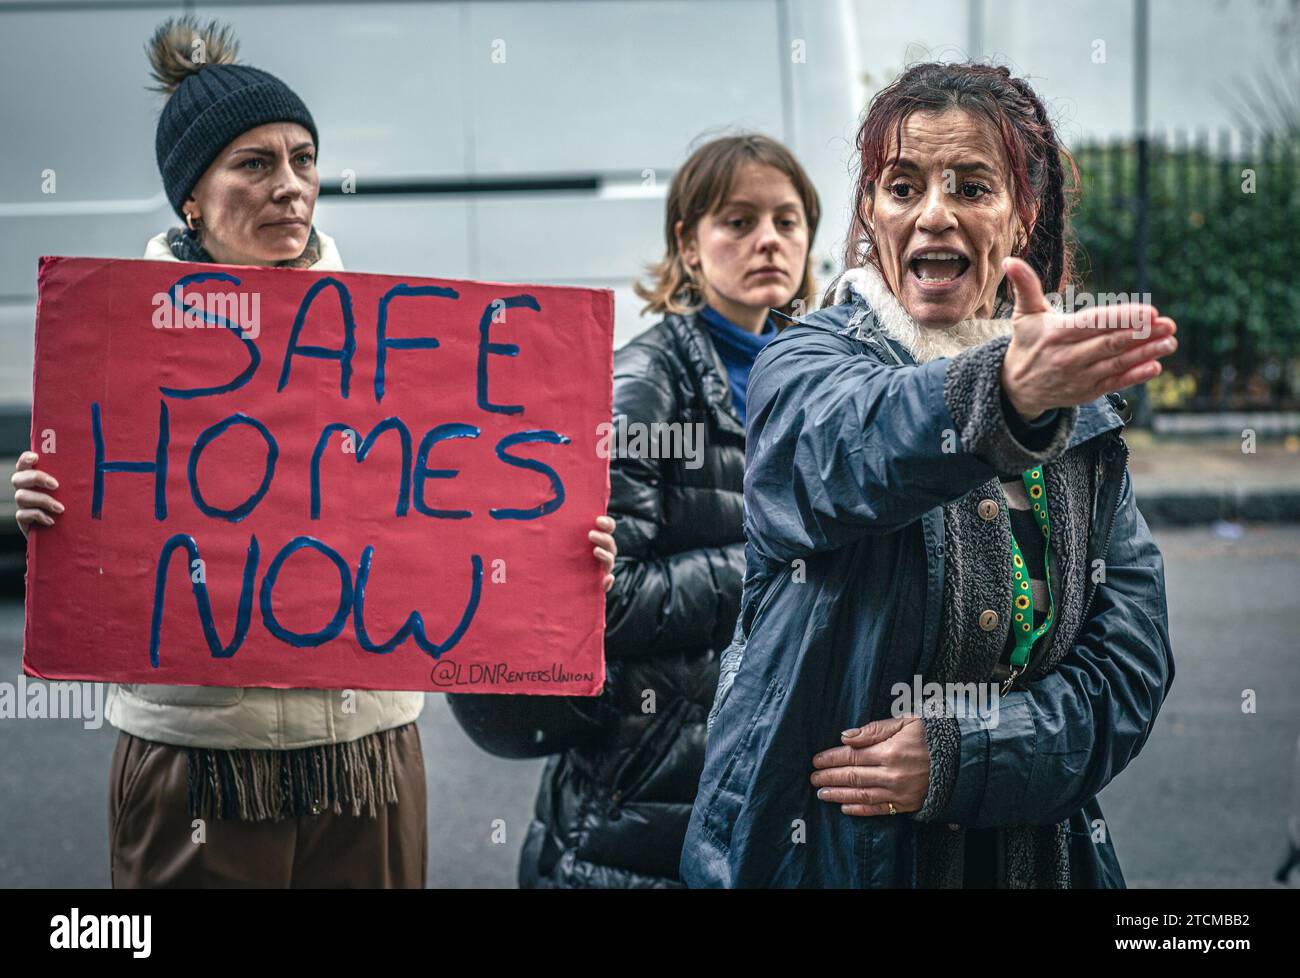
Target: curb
(1194,507)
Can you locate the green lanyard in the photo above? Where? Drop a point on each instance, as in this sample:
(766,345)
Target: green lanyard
(1022,601)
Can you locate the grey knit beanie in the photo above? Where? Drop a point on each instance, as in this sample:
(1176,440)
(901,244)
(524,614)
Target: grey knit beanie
(211,101)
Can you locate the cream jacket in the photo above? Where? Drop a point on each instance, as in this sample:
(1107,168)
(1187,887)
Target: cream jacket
(227,717)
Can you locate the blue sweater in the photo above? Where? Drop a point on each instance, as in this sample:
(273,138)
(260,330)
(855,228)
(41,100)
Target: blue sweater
(738,348)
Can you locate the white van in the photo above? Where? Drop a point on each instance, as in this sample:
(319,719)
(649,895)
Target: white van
(504,141)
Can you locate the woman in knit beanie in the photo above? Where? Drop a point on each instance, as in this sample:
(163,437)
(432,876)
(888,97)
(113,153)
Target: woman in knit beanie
(236,148)
(257,787)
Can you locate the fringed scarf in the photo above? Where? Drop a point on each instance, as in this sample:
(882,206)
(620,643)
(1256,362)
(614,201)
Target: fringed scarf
(261,785)
(1032,856)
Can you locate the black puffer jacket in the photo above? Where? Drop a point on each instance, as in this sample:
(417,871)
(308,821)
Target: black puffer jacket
(615,800)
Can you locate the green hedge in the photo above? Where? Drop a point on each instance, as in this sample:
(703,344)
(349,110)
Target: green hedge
(1223,262)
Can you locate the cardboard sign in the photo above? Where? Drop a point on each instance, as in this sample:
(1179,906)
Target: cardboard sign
(290,478)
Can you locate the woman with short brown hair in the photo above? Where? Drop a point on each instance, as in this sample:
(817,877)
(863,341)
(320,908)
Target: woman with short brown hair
(617,791)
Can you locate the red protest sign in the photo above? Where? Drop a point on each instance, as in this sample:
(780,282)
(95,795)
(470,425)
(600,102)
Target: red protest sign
(304,479)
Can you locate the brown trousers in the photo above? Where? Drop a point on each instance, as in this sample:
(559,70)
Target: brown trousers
(153,841)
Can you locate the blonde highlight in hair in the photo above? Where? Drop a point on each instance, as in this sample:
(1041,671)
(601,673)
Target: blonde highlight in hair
(171,50)
(699,188)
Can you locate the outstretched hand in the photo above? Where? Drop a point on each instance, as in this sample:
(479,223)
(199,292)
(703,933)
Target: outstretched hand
(1060,359)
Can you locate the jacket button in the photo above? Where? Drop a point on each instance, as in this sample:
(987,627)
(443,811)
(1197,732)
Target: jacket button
(987,509)
(988,620)
(953,826)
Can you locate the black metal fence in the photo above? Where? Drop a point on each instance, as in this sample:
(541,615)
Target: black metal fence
(1223,258)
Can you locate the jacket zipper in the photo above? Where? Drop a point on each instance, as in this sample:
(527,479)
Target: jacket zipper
(765,601)
(1110,527)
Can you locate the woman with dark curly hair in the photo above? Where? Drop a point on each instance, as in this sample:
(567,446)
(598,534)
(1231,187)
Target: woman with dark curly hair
(953,611)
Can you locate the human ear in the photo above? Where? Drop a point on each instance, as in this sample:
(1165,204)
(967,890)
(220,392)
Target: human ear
(193,215)
(1033,222)
(685,246)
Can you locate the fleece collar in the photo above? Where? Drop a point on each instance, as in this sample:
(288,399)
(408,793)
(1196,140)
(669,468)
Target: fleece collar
(865,285)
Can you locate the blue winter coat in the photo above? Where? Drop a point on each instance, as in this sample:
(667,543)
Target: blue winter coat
(850,459)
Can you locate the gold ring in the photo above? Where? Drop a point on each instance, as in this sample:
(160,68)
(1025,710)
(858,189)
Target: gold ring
(892,809)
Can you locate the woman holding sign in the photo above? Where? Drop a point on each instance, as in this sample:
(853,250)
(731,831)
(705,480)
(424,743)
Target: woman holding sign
(954,629)
(294,787)
(616,795)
